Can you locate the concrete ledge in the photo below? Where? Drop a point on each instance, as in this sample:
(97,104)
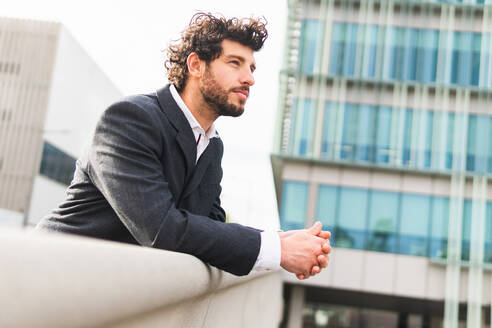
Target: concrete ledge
(54,280)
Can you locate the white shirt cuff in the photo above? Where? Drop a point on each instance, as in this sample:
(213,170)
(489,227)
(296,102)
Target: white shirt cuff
(270,252)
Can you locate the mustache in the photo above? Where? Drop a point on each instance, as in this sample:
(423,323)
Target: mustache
(243,88)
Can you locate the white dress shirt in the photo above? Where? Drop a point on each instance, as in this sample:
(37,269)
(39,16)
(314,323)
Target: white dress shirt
(270,251)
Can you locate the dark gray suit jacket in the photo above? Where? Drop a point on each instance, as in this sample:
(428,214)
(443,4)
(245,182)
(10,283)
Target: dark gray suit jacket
(137,182)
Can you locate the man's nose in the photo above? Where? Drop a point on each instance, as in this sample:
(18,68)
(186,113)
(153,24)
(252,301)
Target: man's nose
(247,77)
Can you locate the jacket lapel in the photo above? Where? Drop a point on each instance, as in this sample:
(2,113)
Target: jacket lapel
(184,138)
(211,152)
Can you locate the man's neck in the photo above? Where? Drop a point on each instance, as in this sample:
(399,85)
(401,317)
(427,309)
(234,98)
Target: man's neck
(201,111)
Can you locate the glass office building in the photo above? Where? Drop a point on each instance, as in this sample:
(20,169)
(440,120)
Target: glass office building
(384,134)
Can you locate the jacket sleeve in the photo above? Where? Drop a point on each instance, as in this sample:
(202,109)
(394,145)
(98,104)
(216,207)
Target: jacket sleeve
(217,212)
(124,164)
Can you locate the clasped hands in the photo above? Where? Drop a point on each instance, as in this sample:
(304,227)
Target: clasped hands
(305,252)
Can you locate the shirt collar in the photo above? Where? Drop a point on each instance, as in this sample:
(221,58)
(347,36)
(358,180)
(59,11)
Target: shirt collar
(211,133)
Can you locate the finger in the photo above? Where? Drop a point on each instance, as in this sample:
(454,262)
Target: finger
(326,248)
(323,260)
(315,270)
(320,241)
(300,276)
(315,229)
(325,234)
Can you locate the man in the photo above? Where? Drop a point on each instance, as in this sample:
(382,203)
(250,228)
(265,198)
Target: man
(151,174)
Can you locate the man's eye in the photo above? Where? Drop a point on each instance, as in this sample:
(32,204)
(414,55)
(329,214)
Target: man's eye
(235,62)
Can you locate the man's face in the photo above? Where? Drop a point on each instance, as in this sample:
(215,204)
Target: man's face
(226,81)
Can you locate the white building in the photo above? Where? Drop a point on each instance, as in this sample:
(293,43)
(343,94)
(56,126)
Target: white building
(51,94)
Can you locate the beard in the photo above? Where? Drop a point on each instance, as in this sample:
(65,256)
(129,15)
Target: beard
(218,98)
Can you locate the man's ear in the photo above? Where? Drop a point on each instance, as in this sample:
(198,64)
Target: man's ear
(195,65)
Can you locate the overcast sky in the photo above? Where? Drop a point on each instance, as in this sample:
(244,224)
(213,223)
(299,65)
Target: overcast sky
(127,38)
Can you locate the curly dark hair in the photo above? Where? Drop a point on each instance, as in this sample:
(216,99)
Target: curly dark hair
(204,35)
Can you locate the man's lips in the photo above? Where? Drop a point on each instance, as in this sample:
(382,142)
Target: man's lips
(242,93)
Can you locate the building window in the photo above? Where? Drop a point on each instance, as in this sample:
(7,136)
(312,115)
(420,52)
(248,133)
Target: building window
(465,58)
(404,223)
(6,115)
(302,128)
(471,143)
(349,131)
(407,137)
(10,68)
(309,43)
(410,55)
(328,135)
(450,140)
(427,56)
(414,224)
(371,36)
(424,130)
(383,216)
(439,228)
(343,49)
(364,133)
(488,234)
(351,221)
(294,205)
(358,132)
(56,164)
(486,65)
(326,211)
(479,144)
(403,49)
(466,230)
(383,134)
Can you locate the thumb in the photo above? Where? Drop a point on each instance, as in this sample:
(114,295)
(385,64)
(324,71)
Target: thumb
(315,229)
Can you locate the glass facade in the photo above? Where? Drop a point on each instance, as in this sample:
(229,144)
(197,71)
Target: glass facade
(426,143)
(400,87)
(401,54)
(383,221)
(56,164)
(488,235)
(352,204)
(309,30)
(294,205)
(438,238)
(303,118)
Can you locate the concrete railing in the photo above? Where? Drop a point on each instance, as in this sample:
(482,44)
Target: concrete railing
(54,280)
